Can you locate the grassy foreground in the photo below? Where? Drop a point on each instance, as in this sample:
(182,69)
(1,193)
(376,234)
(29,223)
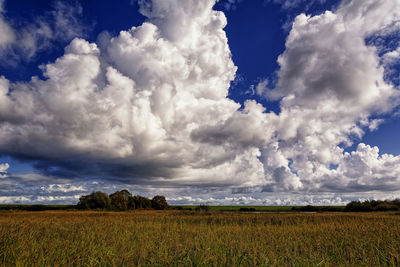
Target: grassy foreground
(182,238)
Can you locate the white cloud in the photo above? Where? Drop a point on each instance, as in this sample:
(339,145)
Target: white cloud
(330,83)
(230,4)
(64,188)
(3,168)
(366,168)
(13,199)
(262,87)
(130,107)
(32,199)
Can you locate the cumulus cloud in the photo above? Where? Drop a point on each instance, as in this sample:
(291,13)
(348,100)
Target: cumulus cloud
(330,83)
(150,107)
(127,110)
(391,57)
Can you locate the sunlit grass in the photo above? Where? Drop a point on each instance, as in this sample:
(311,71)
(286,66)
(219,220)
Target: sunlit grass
(180,238)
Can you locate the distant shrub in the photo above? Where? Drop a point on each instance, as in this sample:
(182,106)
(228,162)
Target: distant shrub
(180,208)
(310,208)
(120,200)
(386,207)
(202,207)
(159,203)
(373,205)
(35,208)
(247,209)
(140,202)
(96,200)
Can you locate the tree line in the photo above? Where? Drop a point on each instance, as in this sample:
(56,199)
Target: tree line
(374,205)
(355,206)
(120,200)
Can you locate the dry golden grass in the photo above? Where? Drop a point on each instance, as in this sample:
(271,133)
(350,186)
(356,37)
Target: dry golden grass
(173,238)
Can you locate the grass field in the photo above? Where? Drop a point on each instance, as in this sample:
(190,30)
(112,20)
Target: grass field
(184,238)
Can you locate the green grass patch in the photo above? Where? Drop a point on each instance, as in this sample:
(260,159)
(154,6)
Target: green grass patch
(189,238)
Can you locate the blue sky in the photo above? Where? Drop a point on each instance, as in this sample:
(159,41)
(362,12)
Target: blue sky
(196,109)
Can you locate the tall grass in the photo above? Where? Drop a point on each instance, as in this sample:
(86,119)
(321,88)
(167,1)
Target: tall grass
(176,238)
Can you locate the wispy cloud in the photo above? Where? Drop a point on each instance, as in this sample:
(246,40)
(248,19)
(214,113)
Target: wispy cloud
(23,42)
(292,4)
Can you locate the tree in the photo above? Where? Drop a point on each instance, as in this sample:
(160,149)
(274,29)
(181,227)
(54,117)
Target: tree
(159,203)
(120,199)
(96,200)
(140,202)
(373,205)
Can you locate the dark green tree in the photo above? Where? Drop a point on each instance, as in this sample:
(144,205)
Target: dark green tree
(96,200)
(140,202)
(159,203)
(120,200)
(374,205)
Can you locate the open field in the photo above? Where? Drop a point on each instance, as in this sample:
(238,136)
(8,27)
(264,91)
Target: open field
(184,238)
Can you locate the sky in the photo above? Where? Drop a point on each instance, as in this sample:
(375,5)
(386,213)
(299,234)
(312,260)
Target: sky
(234,102)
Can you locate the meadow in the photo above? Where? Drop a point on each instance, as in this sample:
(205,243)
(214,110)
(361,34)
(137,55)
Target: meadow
(189,238)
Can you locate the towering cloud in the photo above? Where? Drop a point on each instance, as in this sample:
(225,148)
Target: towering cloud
(330,83)
(127,110)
